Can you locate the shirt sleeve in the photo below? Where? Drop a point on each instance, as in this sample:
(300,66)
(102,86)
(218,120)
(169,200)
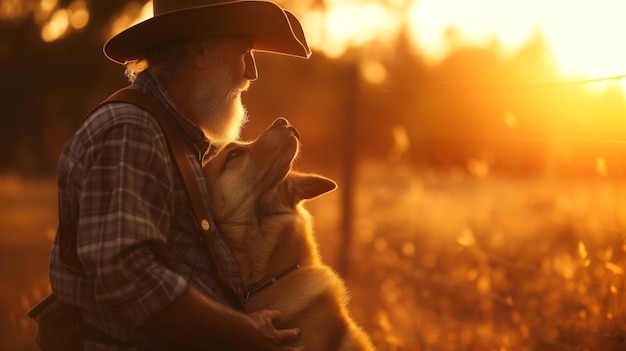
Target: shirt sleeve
(123,217)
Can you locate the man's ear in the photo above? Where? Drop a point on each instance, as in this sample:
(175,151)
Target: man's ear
(198,51)
(305,186)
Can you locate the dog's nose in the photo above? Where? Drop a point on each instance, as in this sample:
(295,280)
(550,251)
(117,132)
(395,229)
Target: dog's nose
(282,122)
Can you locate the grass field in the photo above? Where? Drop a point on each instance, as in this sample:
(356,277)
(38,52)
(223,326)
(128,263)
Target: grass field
(439,260)
(450,261)
(27,223)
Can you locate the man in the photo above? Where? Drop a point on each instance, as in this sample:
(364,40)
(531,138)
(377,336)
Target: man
(147,280)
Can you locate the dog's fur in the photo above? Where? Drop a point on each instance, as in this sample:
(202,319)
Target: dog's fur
(256,200)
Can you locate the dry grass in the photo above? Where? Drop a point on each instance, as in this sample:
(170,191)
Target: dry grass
(440,261)
(459,262)
(27,221)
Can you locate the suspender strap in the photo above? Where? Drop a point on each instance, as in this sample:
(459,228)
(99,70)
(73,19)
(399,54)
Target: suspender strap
(177,148)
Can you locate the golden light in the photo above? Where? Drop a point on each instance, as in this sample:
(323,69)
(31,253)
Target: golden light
(601,166)
(466,238)
(133,13)
(510,120)
(613,268)
(79,14)
(437,27)
(479,168)
(48,5)
(373,71)
(57,27)
(57,23)
(42,13)
(14,9)
(408,249)
(401,142)
(582,250)
(583,36)
(350,23)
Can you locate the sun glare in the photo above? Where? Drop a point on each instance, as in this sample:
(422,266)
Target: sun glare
(583,36)
(439,26)
(344,24)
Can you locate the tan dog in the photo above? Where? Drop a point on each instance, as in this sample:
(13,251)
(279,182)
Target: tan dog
(256,203)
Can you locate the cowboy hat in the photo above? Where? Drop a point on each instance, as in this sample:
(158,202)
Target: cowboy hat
(271,28)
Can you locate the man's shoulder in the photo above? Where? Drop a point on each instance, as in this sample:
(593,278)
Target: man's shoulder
(115,114)
(114,120)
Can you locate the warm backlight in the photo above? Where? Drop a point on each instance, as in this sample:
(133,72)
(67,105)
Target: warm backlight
(583,36)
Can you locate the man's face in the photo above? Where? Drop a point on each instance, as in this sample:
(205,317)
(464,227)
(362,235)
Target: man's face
(230,69)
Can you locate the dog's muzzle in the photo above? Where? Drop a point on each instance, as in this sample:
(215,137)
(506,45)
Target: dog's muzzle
(284,123)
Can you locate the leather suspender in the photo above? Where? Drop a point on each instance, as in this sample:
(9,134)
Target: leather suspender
(176,145)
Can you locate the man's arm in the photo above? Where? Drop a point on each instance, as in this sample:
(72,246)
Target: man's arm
(199,321)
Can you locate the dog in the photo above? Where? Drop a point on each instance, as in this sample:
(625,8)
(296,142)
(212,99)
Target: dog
(257,206)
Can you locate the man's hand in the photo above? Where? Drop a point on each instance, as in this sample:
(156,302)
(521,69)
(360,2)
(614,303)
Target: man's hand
(271,338)
(198,321)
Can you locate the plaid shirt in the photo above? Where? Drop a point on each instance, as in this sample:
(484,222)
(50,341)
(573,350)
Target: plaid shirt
(137,237)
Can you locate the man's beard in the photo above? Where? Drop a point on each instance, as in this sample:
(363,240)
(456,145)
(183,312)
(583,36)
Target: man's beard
(218,106)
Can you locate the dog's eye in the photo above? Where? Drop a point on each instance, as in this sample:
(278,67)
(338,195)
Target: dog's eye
(233,154)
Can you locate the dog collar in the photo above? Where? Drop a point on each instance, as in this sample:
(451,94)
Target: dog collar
(266,284)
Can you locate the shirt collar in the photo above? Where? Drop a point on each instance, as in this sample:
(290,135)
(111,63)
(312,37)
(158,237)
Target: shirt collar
(151,85)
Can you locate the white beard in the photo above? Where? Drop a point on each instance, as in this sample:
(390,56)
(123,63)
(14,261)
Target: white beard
(218,106)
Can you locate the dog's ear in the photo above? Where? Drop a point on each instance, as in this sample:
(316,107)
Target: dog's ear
(305,186)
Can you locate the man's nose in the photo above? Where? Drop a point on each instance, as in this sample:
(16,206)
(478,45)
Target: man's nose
(250,72)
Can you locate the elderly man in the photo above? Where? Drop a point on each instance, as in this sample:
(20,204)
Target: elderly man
(147,280)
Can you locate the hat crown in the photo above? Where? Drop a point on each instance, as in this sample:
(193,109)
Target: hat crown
(164,6)
(270,27)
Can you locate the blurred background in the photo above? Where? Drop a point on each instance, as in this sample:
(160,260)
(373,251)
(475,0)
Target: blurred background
(478,146)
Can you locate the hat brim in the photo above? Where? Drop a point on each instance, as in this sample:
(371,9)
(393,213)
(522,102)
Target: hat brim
(271,29)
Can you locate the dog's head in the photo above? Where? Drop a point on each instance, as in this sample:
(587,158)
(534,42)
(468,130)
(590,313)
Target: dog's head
(249,181)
